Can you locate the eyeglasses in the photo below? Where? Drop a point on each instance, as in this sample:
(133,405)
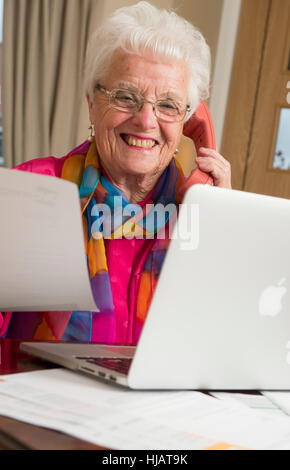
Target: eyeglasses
(165,109)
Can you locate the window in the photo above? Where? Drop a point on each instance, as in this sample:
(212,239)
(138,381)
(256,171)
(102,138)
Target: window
(282,150)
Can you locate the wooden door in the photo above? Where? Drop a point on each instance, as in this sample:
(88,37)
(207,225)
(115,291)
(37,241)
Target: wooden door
(260,153)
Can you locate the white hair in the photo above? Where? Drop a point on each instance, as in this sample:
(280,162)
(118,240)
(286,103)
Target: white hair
(144,28)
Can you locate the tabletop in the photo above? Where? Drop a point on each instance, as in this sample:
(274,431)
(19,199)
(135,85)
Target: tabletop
(16,435)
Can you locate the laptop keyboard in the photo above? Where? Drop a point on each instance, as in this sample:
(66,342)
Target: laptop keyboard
(117,364)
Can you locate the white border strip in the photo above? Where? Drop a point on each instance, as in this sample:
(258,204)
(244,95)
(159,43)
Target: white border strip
(223,65)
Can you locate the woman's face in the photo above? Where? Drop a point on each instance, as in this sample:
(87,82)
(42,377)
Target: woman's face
(115,129)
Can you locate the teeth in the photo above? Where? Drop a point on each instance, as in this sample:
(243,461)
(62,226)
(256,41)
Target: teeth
(146,144)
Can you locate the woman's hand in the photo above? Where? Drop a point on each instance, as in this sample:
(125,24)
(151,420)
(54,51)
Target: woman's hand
(213,163)
(214,167)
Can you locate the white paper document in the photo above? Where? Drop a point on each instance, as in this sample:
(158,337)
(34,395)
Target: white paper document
(280,399)
(253,401)
(42,254)
(120,418)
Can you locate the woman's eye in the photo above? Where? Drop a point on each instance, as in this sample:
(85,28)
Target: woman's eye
(167,105)
(126,98)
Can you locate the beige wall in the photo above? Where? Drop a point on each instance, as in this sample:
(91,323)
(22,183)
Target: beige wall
(204,14)
(111,5)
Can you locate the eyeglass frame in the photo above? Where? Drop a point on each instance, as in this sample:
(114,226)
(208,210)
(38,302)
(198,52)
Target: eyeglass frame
(102,89)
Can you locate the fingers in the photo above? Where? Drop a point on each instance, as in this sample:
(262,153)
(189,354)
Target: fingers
(210,161)
(214,154)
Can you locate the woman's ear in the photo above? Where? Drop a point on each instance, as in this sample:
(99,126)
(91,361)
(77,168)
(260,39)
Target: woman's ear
(90,106)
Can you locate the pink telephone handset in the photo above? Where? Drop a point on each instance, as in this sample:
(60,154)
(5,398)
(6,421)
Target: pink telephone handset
(200,129)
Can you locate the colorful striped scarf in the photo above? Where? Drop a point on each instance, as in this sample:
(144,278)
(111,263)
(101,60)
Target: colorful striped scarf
(96,190)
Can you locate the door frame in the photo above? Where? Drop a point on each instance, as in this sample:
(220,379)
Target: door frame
(244,86)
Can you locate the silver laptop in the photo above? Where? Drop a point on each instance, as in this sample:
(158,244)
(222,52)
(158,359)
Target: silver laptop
(220,316)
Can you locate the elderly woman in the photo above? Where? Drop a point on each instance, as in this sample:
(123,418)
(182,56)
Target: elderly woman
(146,72)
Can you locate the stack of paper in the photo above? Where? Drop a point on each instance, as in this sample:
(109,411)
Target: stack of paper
(120,418)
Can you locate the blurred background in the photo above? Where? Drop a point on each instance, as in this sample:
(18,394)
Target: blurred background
(43,109)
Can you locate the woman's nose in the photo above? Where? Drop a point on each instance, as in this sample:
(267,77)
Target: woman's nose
(145,118)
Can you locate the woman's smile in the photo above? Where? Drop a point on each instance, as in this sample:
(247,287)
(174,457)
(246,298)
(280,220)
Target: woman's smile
(139,142)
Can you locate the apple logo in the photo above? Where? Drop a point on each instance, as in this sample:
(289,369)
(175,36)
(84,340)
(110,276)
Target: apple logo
(270,302)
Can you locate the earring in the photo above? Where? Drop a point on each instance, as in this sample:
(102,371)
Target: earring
(92,133)
(176,150)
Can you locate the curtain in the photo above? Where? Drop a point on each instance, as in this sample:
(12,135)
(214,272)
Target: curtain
(44,106)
